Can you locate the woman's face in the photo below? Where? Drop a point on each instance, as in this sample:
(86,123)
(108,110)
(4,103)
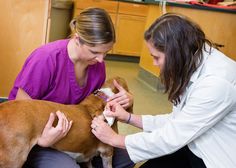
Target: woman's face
(158,56)
(93,54)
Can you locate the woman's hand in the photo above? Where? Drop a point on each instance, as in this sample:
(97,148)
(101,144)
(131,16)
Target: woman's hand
(124,98)
(114,109)
(106,134)
(53,134)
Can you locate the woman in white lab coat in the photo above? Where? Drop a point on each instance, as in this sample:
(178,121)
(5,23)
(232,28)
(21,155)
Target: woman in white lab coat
(201,83)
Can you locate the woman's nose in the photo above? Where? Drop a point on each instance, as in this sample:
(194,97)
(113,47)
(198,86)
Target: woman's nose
(155,62)
(100,58)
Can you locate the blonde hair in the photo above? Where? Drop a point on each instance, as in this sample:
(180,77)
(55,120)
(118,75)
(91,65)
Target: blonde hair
(93,26)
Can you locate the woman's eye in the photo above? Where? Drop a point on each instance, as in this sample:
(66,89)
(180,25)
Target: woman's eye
(94,52)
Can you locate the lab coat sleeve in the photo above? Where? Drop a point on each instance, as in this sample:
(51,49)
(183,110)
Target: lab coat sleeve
(150,122)
(208,101)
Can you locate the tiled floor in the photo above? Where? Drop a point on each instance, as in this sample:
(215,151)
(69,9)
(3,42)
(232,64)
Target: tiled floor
(146,100)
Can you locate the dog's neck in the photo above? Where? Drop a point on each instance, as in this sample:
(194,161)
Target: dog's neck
(105,93)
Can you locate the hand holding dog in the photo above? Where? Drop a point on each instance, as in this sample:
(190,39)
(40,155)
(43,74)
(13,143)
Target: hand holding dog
(124,98)
(106,134)
(53,134)
(114,109)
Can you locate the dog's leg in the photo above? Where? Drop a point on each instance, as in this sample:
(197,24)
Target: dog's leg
(107,161)
(89,164)
(106,153)
(86,164)
(14,150)
(13,158)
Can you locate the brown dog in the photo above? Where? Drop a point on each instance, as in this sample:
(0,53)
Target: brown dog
(22,122)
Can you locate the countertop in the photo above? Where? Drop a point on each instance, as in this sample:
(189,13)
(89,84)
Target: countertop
(194,5)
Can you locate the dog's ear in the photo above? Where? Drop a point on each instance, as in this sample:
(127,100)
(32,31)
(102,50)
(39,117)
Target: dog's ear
(94,105)
(130,109)
(119,80)
(123,83)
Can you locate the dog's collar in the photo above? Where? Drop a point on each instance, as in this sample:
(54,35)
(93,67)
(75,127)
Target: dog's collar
(100,94)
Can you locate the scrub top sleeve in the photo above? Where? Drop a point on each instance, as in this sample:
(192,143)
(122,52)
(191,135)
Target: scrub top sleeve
(36,76)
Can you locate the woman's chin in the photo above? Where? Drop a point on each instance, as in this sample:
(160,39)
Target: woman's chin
(92,62)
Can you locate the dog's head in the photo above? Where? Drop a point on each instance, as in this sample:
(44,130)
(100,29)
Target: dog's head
(96,102)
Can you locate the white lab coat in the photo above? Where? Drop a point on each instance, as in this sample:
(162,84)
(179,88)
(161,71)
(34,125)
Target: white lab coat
(205,119)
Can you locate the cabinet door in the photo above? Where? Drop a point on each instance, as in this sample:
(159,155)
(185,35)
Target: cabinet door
(129,34)
(218,26)
(109,6)
(146,60)
(20,41)
(112,15)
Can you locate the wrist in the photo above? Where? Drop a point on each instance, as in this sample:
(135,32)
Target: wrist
(43,143)
(118,141)
(128,119)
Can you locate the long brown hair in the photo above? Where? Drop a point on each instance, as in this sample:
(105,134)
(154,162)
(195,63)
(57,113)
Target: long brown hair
(94,26)
(182,41)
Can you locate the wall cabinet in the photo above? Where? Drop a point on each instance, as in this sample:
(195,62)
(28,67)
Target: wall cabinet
(146,60)
(129,20)
(19,41)
(219,27)
(129,35)
(130,26)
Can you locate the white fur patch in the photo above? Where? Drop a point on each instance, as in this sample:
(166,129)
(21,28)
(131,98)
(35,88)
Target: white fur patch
(79,157)
(107,91)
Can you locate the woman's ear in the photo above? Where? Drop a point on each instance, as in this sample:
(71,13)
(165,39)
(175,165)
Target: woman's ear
(76,35)
(77,39)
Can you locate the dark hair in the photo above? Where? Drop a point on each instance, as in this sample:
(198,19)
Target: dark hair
(182,41)
(94,26)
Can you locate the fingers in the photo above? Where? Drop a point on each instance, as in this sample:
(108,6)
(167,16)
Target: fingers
(117,85)
(64,124)
(51,134)
(114,97)
(97,123)
(110,109)
(50,120)
(102,130)
(122,91)
(123,97)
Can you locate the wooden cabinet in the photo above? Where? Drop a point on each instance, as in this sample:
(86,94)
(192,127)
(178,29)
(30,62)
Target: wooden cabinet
(19,41)
(110,6)
(146,60)
(219,27)
(129,20)
(130,24)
